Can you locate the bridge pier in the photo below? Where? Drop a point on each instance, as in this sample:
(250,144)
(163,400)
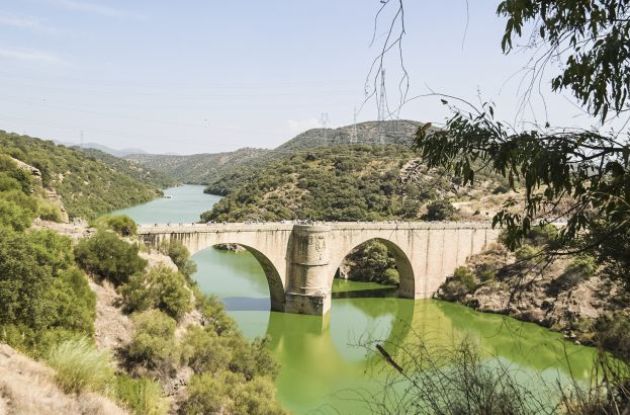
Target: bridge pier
(308,290)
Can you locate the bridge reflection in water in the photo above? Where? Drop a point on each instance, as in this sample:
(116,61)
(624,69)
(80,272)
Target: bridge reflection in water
(322,358)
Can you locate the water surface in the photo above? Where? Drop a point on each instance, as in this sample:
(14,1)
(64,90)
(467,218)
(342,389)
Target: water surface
(325,368)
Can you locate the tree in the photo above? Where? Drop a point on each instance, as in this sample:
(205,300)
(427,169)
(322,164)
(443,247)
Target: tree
(42,293)
(160,287)
(579,175)
(108,257)
(180,256)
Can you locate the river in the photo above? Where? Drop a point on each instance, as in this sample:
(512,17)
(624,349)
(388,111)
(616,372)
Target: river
(325,369)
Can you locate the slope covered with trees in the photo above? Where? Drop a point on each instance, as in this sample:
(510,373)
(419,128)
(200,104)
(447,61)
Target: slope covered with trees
(342,183)
(132,169)
(198,168)
(87,186)
(213,169)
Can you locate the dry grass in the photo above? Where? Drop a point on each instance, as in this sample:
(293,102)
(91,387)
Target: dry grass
(81,367)
(28,387)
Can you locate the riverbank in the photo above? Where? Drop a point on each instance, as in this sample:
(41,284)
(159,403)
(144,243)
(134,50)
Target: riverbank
(569,295)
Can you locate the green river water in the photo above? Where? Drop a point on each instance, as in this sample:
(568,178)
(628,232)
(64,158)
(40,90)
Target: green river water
(324,368)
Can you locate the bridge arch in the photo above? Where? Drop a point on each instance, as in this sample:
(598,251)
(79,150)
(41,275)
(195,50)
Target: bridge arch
(406,286)
(274,281)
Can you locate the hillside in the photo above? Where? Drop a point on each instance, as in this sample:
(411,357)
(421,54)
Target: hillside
(197,168)
(400,132)
(211,168)
(346,183)
(87,186)
(133,169)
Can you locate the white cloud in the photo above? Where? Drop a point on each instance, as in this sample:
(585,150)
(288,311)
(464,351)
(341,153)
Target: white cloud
(23,22)
(94,8)
(30,55)
(299,126)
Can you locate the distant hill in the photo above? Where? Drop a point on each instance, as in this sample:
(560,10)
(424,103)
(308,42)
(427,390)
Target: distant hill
(134,169)
(400,132)
(198,168)
(221,171)
(87,186)
(114,152)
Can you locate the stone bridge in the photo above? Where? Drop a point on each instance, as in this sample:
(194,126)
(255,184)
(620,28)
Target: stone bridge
(300,260)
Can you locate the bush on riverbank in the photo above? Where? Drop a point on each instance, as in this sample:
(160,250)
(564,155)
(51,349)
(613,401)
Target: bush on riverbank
(180,256)
(160,288)
(372,262)
(104,255)
(228,392)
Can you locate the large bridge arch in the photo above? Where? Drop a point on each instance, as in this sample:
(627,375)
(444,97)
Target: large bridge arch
(274,281)
(267,246)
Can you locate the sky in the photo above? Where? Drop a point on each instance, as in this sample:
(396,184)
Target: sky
(207,76)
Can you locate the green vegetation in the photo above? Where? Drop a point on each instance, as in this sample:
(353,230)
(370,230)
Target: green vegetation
(229,392)
(87,187)
(160,288)
(153,343)
(440,210)
(104,255)
(343,183)
(132,169)
(142,395)
(43,296)
(80,367)
(199,168)
(180,256)
(372,261)
(121,224)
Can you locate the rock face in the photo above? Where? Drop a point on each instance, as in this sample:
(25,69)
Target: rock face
(28,387)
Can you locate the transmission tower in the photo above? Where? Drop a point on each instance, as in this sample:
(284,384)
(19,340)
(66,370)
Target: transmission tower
(382,103)
(354,138)
(323,121)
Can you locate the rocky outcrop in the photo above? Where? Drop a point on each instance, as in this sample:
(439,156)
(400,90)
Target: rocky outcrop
(554,295)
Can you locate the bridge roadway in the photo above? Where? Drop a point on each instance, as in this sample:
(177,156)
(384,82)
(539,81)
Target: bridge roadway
(300,259)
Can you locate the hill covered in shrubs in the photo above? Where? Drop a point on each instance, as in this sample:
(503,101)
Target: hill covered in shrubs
(87,187)
(343,183)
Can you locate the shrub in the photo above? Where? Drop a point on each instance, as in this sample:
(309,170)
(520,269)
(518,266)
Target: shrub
(204,351)
(370,262)
(214,314)
(526,253)
(230,393)
(486,272)
(41,292)
(440,210)
(142,396)
(153,343)
(583,265)
(391,276)
(49,211)
(14,216)
(80,366)
(108,257)
(251,358)
(161,287)
(466,277)
(180,256)
(123,225)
